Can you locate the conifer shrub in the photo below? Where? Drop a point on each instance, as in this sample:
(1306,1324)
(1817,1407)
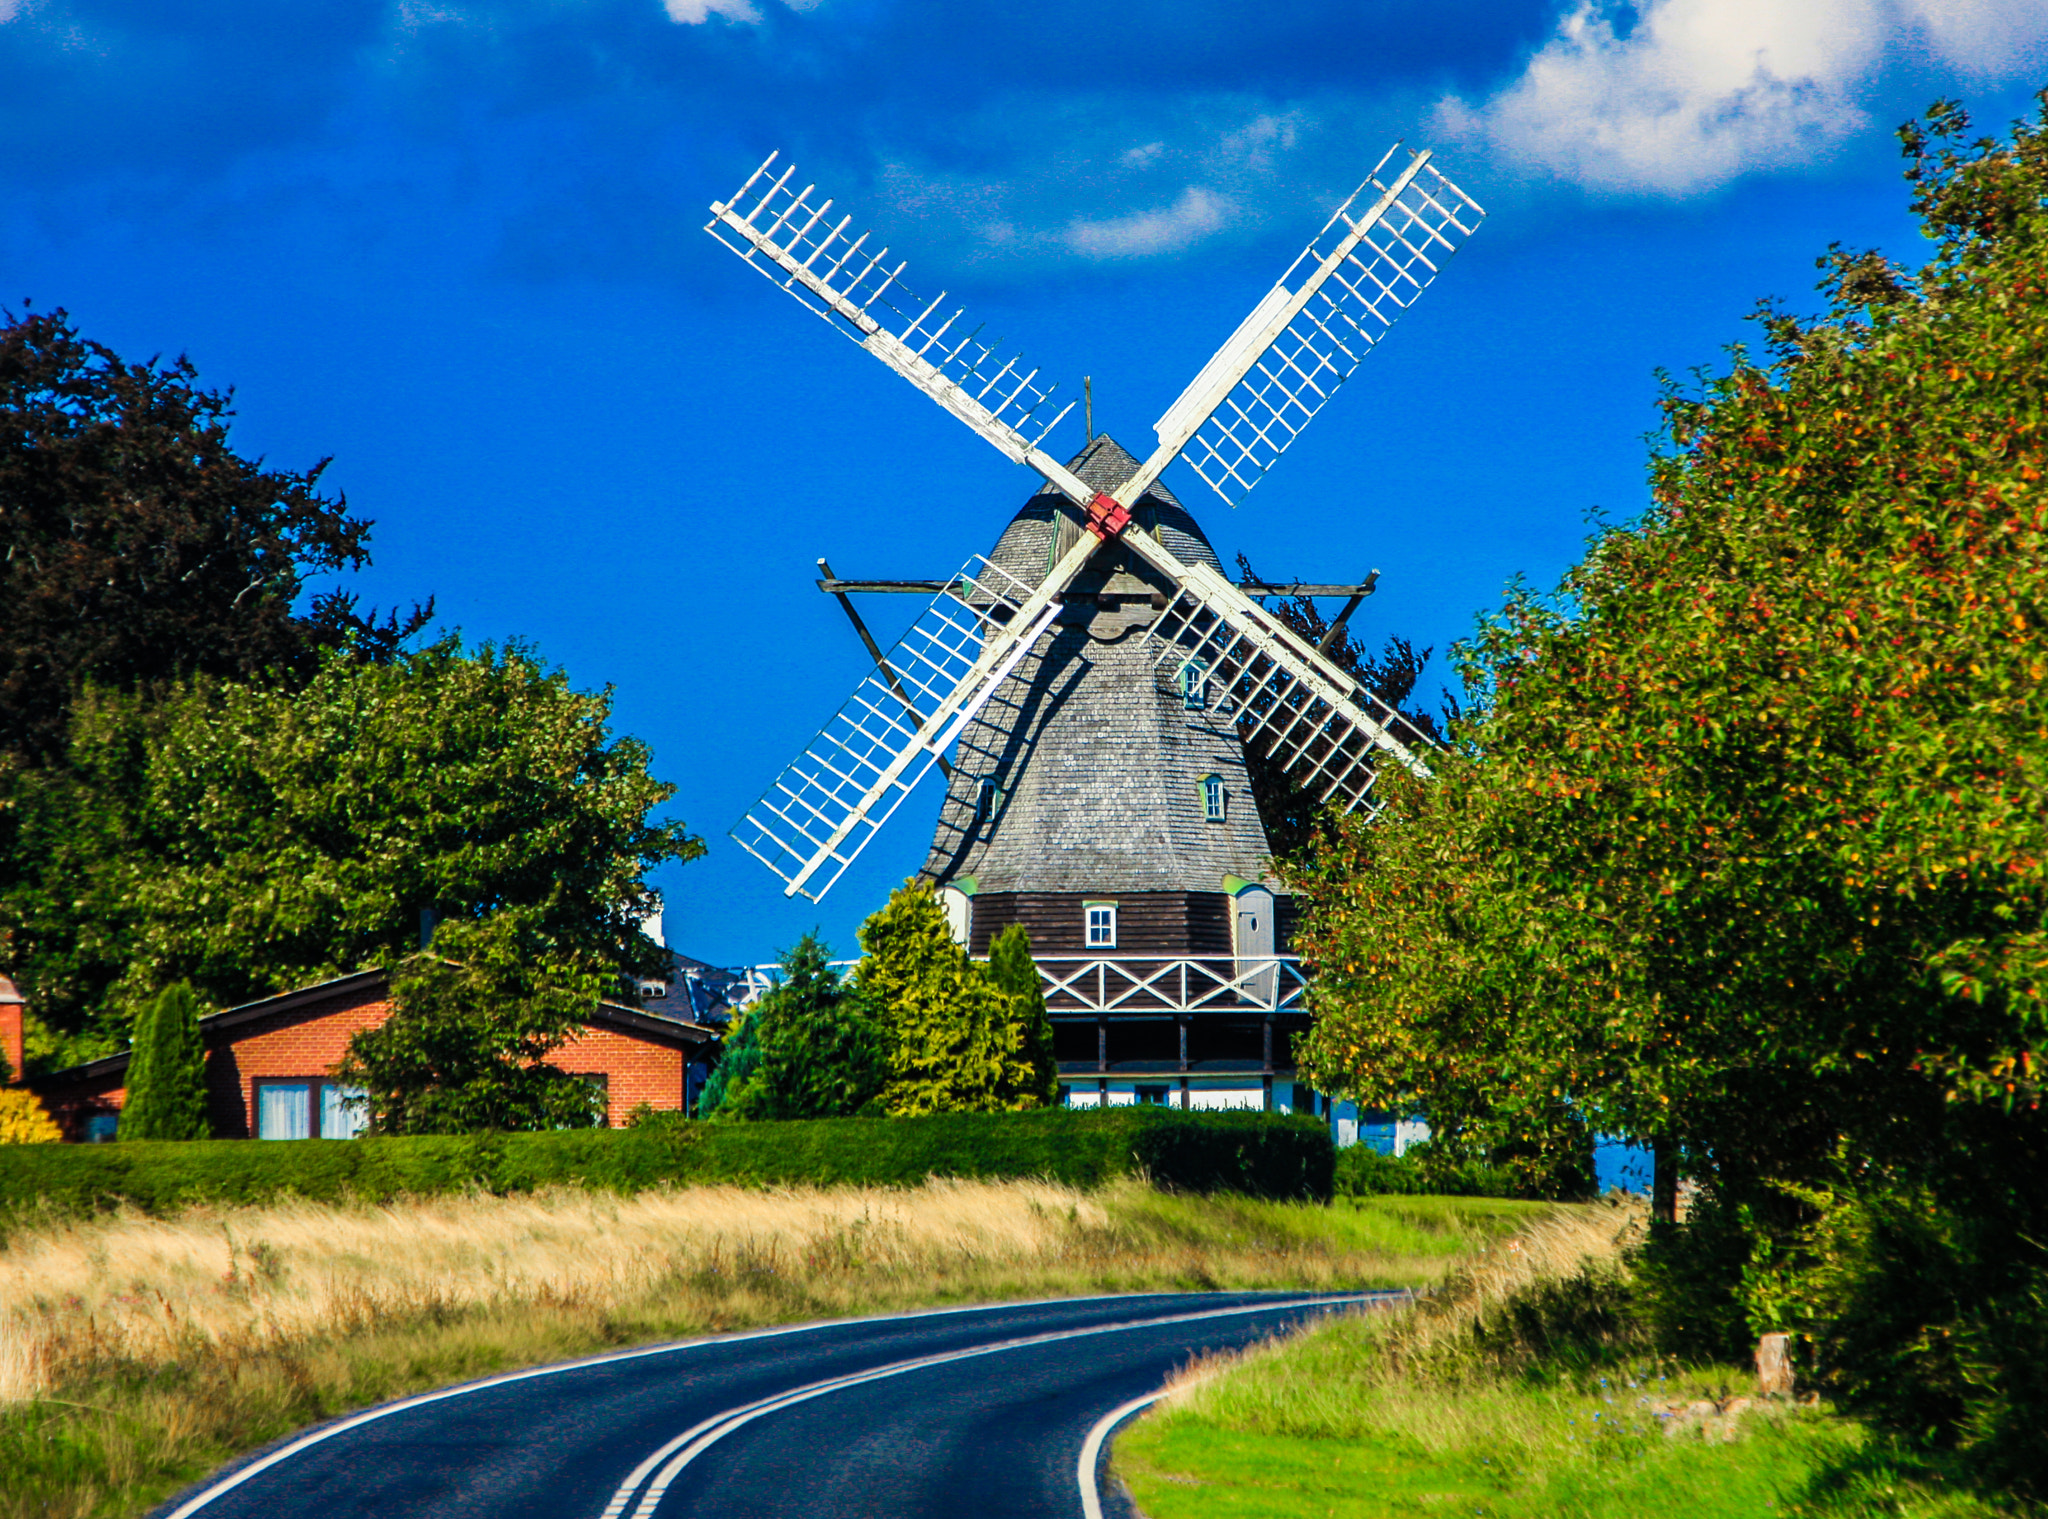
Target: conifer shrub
(167,1070)
(24,1120)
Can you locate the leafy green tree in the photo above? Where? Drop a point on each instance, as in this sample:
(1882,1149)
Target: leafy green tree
(957,1043)
(812,1048)
(250,839)
(739,1056)
(1745,851)
(472,1025)
(167,1070)
(136,546)
(1011,968)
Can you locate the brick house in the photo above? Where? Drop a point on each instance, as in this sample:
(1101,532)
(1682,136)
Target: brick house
(270,1063)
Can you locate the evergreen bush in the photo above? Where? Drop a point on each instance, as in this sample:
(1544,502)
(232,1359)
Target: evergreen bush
(167,1070)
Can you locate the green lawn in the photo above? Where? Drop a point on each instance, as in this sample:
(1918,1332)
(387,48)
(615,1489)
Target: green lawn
(1318,1425)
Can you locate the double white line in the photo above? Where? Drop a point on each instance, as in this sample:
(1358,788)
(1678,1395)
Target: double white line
(650,1480)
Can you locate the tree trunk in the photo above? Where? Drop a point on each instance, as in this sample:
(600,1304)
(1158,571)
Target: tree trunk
(1664,1181)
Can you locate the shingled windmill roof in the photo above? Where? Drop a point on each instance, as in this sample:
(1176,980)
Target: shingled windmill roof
(1097,763)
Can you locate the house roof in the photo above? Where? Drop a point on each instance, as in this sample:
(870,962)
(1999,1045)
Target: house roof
(1097,762)
(605,1015)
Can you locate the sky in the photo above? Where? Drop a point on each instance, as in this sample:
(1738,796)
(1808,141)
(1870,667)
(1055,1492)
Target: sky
(455,246)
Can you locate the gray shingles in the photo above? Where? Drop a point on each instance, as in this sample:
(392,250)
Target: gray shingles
(1097,760)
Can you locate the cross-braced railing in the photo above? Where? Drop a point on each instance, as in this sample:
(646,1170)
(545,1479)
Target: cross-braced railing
(1146,984)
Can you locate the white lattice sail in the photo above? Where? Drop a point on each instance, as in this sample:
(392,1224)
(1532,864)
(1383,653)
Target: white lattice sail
(784,234)
(1329,734)
(829,801)
(1309,333)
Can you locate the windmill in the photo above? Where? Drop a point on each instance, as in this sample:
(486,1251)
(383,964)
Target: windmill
(1113,538)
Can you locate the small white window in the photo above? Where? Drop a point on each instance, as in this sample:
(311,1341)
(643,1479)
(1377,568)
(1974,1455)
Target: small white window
(1212,798)
(1194,685)
(986,795)
(1102,925)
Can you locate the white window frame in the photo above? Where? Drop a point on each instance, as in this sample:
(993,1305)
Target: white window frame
(987,797)
(1098,924)
(1213,805)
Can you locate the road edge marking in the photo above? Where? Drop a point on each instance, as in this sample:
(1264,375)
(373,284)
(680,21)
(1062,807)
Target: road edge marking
(1091,1449)
(314,1437)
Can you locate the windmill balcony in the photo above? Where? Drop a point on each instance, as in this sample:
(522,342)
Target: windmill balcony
(1138,985)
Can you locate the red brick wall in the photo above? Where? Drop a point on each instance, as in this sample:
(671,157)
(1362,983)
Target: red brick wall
(309,1038)
(636,1070)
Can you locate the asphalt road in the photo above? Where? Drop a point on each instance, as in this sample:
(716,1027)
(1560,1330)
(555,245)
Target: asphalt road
(974,1412)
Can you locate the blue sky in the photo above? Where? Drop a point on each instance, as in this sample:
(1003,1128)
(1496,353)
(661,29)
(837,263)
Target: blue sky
(456,247)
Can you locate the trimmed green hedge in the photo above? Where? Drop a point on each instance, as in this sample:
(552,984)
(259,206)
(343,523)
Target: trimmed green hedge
(1262,1154)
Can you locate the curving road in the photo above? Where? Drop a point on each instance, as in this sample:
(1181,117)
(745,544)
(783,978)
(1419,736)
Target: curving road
(979,1411)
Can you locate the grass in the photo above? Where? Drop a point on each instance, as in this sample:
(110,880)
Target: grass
(1471,1406)
(138,1353)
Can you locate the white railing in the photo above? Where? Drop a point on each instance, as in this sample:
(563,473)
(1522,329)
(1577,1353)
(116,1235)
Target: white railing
(1136,983)
(1143,983)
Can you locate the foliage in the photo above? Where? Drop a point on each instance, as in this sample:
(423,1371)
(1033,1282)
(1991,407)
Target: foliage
(1258,1154)
(1363,1171)
(166,1089)
(958,1042)
(24,1120)
(251,840)
(136,546)
(1746,851)
(809,1048)
(1012,969)
(465,1047)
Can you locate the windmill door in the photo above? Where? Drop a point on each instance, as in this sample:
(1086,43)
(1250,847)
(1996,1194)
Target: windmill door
(1256,972)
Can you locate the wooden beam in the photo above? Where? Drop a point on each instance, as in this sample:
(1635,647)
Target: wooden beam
(840,588)
(881,664)
(1337,627)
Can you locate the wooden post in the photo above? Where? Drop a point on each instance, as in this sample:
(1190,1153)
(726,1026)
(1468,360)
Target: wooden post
(1774,1366)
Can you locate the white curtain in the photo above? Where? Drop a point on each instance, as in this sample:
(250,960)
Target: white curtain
(284,1110)
(341,1111)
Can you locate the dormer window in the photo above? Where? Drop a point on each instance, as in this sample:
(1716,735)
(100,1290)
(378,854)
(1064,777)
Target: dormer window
(986,795)
(1212,798)
(1101,925)
(1194,685)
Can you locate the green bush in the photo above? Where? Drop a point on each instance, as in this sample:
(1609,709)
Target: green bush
(1363,1171)
(1264,1155)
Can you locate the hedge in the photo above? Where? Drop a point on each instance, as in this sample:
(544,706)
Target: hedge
(1261,1154)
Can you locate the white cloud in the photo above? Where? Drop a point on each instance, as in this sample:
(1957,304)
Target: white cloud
(1142,157)
(1679,95)
(9,9)
(697,12)
(1189,219)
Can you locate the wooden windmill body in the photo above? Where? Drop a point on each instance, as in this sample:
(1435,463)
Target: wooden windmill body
(1089,686)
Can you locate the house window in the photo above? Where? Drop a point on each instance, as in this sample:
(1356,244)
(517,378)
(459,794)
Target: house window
(308,1108)
(1101,925)
(1194,685)
(1212,798)
(986,795)
(600,1095)
(1150,1097)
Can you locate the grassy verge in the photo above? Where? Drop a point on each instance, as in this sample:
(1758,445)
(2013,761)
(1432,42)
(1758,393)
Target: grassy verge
(1524,1390)
(139,1352)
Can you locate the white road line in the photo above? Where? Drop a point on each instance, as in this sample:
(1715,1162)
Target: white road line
(700,1437)
(200,1499)
(1091,1451)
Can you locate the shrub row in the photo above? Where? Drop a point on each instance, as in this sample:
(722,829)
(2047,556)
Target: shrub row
(1362,1171)
(1261,1154)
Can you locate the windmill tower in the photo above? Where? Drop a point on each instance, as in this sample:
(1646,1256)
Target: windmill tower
(1096,677)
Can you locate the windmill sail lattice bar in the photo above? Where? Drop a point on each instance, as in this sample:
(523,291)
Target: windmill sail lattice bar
(1248,403)
(1312,329)
(798,245)
(823,808)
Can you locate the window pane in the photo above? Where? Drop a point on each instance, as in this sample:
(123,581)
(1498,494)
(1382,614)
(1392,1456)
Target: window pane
(284,1110)
(342,1115)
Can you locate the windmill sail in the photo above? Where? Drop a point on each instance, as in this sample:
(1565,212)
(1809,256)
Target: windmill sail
(830,800)
(1310,331)
(783,235)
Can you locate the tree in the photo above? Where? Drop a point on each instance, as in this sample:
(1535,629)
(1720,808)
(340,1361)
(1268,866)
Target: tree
(811,1047)
(1746,851)
(465,1047)
(957,1042)
(250,839)
(167,1070)
(1011,968)
(136,546)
